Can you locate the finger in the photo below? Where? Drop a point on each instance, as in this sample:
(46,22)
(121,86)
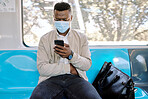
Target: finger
(60,50)
(66,45)
(58,46)
(61,54)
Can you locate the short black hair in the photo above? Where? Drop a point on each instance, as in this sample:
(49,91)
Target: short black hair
(61,6)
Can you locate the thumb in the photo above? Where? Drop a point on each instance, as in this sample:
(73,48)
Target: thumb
(66,45)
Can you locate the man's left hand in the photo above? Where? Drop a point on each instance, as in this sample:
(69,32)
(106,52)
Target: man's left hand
(64,52)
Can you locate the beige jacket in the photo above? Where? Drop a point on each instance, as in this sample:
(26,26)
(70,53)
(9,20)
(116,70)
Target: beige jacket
(48,61)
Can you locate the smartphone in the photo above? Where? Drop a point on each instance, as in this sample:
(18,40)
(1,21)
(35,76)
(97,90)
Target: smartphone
(59,42)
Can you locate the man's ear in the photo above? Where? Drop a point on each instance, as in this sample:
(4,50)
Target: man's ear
(71,17)
(53,17)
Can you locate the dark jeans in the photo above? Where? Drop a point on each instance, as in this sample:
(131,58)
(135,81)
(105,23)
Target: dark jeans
(69,86)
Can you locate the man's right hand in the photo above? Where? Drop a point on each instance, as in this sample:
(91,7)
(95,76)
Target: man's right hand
(73,70)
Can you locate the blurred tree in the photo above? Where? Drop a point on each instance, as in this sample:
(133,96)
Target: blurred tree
(104,20)
(116,20)
(37,19)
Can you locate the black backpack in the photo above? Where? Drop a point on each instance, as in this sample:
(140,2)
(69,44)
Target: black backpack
(113,83)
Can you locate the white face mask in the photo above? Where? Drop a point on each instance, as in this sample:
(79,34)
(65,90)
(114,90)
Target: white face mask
(62,26)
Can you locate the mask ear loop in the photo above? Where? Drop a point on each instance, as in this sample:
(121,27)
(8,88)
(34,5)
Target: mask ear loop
(70,21)
(54,22)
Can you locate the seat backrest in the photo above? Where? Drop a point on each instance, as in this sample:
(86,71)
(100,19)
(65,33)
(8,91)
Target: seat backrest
(18,69)
(139,64)
(119,58)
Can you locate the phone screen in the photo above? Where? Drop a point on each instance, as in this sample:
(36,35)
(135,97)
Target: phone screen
(59,42)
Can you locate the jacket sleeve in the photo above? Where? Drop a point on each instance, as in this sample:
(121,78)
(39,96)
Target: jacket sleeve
(82,60)
(44,65)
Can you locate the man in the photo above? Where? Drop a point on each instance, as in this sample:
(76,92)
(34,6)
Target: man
(63,68)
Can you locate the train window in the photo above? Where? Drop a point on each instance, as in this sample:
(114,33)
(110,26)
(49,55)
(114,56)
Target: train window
(139,65)
(105,22)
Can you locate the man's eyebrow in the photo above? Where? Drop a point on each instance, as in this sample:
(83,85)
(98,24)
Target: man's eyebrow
(61,18)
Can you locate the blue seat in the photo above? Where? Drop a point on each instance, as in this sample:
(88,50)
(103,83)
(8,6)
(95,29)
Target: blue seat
(19,75)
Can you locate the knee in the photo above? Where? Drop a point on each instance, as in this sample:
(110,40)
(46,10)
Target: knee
(37,95)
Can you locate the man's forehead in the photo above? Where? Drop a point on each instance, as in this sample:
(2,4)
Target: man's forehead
(62,13)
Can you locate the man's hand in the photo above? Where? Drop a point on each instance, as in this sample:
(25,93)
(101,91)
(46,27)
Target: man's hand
(64,52)
(73,70)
